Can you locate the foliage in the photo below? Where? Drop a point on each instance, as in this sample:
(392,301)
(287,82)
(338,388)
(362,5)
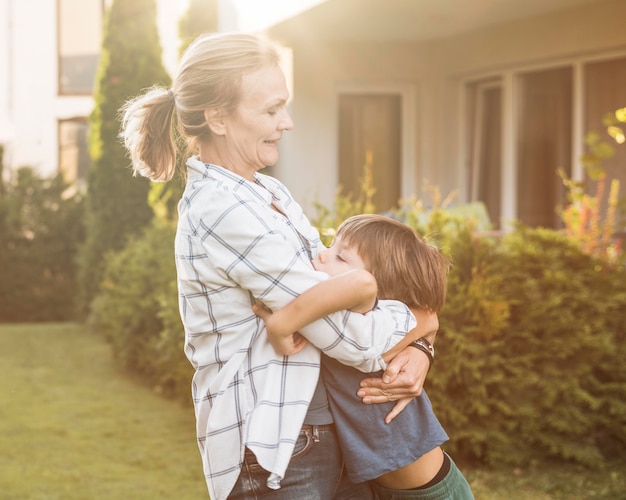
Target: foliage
(592,219)
(137,310)
(117,203)
(201,17)
(529,365)
(41,228)
(532,349)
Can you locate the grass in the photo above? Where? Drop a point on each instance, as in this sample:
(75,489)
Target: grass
(73,426)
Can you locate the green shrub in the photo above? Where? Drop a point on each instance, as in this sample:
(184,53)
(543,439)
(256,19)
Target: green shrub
(41,228)
(531,348)
(530,351)
(137,311)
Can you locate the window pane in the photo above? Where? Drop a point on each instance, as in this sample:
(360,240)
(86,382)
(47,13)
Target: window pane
(484,145)
(80,31)
(73,154)
(369,133)
(543,144)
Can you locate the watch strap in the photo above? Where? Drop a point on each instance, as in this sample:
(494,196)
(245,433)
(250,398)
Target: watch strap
(426,347)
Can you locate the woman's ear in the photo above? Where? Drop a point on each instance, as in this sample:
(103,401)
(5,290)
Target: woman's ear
(215,121)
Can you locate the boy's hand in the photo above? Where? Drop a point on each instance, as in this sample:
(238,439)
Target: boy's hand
(284,345)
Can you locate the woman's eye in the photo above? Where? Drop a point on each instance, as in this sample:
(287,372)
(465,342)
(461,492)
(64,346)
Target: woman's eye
(272,112)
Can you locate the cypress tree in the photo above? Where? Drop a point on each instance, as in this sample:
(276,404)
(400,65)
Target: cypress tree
(117,202)
(201,17)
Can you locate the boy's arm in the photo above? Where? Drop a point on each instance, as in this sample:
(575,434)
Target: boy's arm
(354,290)
(427,326)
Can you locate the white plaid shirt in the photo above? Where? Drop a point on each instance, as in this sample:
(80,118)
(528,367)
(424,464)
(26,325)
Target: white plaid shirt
(230,247)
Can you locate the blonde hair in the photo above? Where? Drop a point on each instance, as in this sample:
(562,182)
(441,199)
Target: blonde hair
(405,266)
(209,77)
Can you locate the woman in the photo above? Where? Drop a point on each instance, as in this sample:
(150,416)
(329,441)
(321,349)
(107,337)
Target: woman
(263,423)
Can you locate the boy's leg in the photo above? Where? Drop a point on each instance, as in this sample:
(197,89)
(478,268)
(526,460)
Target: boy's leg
(347,490)
(453,486)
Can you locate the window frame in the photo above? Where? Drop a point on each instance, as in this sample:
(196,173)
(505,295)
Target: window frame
(406,92)
(60,90)
(510,112)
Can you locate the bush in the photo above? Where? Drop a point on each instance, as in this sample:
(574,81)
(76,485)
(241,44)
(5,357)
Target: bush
(529,356)
(41,229)
(137,311)
(531,348)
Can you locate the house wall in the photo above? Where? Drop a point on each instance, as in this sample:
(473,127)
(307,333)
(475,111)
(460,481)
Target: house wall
(29,90)
(30,107)
(437,70)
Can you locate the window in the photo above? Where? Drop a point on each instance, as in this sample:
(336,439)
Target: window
(524,126)
(370,132)
(79,25)
(73,155)
(543,144)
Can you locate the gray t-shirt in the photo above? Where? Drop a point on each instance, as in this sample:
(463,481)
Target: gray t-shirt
(370,447)
(319,413)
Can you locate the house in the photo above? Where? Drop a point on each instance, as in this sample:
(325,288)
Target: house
(49,53)
(488,97)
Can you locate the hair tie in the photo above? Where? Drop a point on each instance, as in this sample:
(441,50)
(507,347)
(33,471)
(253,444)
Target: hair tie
(170,94)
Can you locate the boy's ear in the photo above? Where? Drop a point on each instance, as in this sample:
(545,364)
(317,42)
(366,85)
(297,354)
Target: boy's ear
(215,121)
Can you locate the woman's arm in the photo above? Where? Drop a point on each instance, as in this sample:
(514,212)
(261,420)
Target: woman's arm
(354,290)
(250,246)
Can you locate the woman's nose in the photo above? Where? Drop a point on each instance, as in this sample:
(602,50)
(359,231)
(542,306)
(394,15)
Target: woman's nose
(286,123)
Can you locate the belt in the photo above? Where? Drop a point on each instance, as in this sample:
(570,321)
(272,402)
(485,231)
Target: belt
(323,427)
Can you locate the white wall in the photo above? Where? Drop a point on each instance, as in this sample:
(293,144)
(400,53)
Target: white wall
(30,106)
(437,70)
(30,85)
(5,70)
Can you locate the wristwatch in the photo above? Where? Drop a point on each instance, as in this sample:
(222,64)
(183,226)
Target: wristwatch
(426,347)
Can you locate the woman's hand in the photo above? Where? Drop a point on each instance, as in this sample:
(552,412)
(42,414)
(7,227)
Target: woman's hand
(402,381)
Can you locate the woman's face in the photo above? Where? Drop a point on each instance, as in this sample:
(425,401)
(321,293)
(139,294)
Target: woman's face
(252,132)
(338,259)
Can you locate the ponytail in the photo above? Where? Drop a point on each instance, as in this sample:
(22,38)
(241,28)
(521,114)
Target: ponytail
(148,133)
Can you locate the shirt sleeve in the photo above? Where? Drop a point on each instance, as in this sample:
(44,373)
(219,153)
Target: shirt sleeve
(261,252)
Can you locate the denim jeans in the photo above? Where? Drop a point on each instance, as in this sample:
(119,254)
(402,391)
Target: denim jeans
(314,472)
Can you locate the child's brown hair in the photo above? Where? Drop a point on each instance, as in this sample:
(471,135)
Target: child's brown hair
(405,266)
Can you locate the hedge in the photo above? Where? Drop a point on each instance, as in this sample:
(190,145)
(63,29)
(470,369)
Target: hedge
(530,352)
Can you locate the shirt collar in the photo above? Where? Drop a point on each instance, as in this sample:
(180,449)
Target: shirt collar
(198,170)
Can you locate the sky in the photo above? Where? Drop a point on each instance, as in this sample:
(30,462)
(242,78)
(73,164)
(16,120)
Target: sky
(255,15)
(250,15)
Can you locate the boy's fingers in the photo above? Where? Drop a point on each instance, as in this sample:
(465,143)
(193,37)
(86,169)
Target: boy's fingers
(397,408)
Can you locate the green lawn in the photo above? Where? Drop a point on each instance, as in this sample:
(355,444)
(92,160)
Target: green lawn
(72,426)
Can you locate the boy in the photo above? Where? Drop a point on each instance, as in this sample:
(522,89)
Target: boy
(373,261)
